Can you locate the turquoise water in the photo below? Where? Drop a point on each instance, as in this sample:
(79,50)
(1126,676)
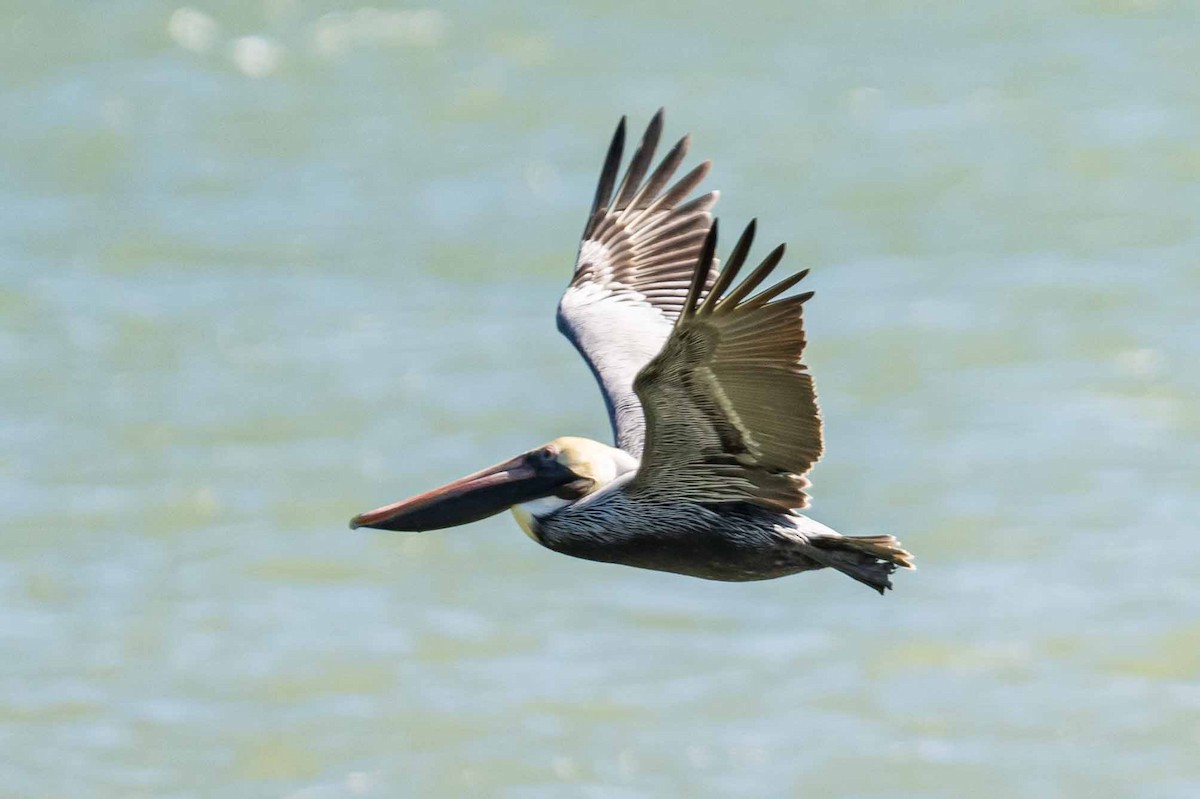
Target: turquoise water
(266,265)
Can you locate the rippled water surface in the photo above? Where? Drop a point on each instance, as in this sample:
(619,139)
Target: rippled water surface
(268,264)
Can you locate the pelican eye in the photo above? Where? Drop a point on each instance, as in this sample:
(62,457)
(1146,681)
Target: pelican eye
(545,454)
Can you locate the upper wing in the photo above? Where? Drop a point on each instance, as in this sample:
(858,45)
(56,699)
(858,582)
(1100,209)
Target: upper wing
(634,268)
(731,411)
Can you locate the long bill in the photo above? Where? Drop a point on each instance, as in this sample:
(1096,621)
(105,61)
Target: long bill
(468,499)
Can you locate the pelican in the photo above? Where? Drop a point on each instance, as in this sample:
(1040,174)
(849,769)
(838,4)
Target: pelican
(713,412)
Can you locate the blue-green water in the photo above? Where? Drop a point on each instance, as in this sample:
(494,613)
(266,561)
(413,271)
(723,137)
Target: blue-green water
(266,265)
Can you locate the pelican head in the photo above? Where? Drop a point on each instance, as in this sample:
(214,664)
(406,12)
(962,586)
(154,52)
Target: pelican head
(532,484)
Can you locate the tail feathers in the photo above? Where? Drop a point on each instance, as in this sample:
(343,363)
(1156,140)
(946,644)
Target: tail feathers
(869,559)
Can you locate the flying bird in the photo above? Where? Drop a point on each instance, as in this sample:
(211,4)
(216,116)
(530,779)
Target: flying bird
(714,413)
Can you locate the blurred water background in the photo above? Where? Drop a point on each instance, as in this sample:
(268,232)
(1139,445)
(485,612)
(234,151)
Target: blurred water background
(268,264)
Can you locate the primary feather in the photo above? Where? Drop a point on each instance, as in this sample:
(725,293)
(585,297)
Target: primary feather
(634,269)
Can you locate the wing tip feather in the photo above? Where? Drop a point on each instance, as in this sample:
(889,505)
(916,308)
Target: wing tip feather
(700,274)
(608,174)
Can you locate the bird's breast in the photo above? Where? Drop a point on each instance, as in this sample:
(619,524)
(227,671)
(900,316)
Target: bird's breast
(528,513)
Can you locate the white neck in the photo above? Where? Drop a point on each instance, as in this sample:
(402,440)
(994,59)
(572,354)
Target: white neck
(605,466)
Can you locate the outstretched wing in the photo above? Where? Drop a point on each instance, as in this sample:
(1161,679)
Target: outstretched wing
(633,271)
(731,410)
